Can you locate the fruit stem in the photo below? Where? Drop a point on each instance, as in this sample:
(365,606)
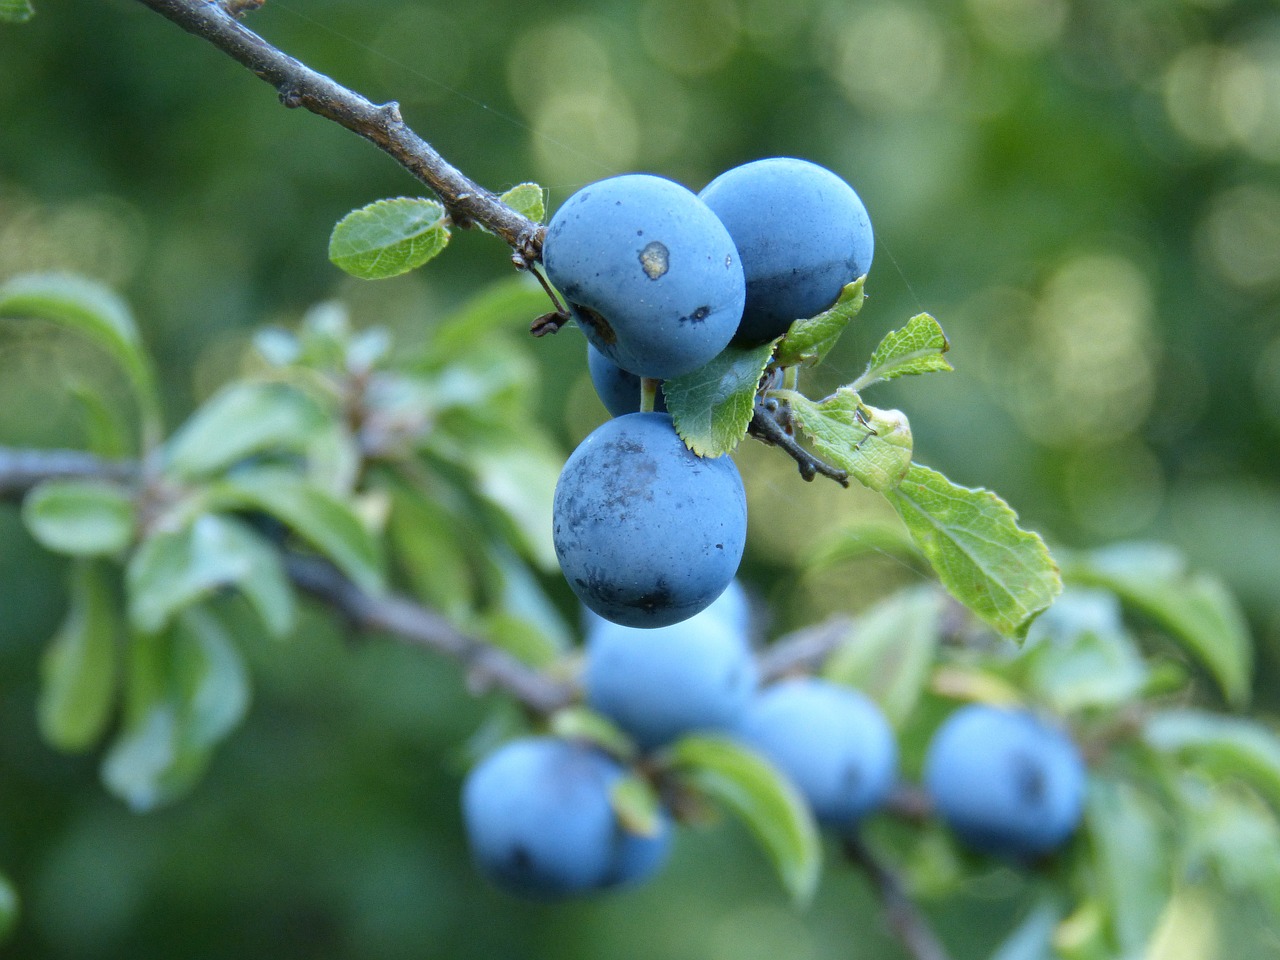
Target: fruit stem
(648,394)
(791,377)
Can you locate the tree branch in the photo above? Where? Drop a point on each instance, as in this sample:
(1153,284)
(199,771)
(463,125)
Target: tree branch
(904,917)
(766,427)
(487,666)
(300,86)
(803,650)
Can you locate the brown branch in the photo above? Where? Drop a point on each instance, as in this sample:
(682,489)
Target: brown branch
(300,86)
(487,666)
(766,426)
(903,916)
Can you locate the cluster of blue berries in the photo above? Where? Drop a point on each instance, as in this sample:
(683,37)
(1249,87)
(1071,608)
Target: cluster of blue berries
(661,280)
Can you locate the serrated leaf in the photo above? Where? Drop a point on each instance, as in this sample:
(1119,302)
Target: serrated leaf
(1195,608)
(971,537)
(1224,746)
(84,518)
(173,570)
(583,723)
(1130,852)
(527,199)
(241,420)
(95,311)
(763,798)
(636,805)
(326,522)
(916,348)
(873,445)
(16,11)
(78,670)
(810,340)
(188,688)
(890,652)
(389,237)
(711,406)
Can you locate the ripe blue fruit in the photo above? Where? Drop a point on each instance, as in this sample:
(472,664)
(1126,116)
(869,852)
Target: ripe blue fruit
(618,390)
(833,742)
(649,273)
(698,674)
(1005,781)
(802,234)
(647,532)
(540,824)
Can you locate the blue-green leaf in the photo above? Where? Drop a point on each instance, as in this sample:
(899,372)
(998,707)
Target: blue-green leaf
(712,406)
(78,670)
(916,348)
(811,339)
(1195,608)
(763,798)
(1033,937)
(890,651)
(86,518)
(187,689)
(1224,746)
(971,537)
(240,421)
(326,522)
(389,237)
(95,311)
(172,571)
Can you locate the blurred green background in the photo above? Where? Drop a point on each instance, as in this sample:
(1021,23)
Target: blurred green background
(1085,194)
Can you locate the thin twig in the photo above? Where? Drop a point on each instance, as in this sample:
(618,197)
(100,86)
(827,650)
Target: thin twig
(488,667)
(300,86)
(803,650)
(903,916)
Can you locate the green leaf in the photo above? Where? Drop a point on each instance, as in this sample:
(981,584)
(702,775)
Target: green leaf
(427,541)
(95,311)
(1091,669)
(712,406)
(1188,928)
(389,237)
(519,475)
(1131,859)
(583,723)
(173,570)
(890,652)
(1223,746)
(188,688)
(1003,573)
(636,805)
(9,907)
(323,520)
(84,518)
(104,430)
(809,340)
(242,420)
(916,348)
(78,670)
(16,11)
(1195,608)
(528,199)
(1033,937)
(763,798)
(873,445)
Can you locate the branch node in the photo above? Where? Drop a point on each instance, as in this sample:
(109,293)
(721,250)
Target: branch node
(291,96)
(391,111)
(237,9)
(770,423)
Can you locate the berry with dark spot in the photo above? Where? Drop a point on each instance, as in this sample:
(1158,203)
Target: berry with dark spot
(540,822)
(636,256)
(647,532)
(656,685)
(802,234)
(833,742)
(1005,781)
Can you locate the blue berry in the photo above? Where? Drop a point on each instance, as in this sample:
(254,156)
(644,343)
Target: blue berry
(802,234)
(649,273)
(540,823)
(618,390)
(647,532)
(656,685)
(1005,781)
(833,742)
